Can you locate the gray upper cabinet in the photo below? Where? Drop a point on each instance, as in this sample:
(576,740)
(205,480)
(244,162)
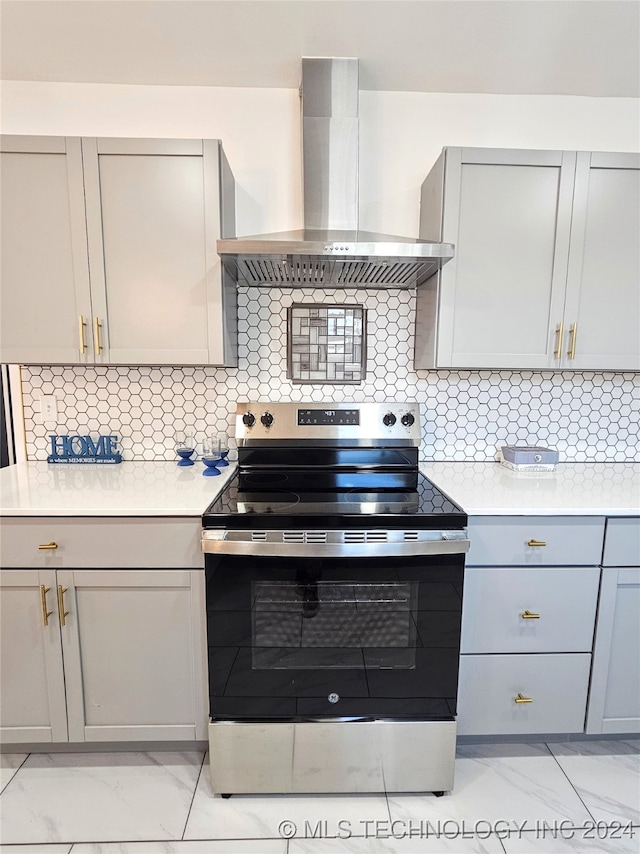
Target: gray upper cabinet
(153,290)
(44,272)
(154,211)
(547,242)
(602,310)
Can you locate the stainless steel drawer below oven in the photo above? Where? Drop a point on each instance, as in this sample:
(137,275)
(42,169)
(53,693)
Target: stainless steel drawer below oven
(332,756)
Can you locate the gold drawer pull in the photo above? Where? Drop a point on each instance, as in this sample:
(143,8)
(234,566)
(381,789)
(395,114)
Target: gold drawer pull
(97,343)
(51,545)
(558,351)
(536,543)
(521,699)
(61,591)
(529,616)
(82,325)
(573,332)
(43,599)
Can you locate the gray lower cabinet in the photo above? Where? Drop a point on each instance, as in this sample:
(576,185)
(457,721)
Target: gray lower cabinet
(546,609)
(546,265)
(32,699)
(91,655)
(614,700)
(529,608)
(109,251)
(523,694)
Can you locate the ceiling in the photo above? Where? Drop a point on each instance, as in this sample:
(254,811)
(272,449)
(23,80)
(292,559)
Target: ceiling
(569,47)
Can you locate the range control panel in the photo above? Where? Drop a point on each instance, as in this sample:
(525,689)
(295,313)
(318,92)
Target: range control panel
(329,416)
(345,421)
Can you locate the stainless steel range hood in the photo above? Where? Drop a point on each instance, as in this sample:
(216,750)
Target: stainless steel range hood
(331,251)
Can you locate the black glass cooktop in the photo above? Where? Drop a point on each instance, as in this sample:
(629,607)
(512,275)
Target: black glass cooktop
(335,499)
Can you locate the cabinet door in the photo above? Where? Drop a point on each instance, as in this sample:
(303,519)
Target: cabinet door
(545,609)
(32,700)
(44,274)
(154,213)
(132,644)
(509,694)
(502,295)
(535,540)
(603,288)
(614,700)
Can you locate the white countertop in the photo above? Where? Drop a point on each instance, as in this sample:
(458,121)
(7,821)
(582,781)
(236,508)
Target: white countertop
(573,489)
(165,489)
(126,489)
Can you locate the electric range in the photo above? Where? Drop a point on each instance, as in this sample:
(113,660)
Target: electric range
(334,575)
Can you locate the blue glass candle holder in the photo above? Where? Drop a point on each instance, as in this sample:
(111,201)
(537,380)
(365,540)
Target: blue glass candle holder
(185,455)
(224,449)
(210,466)
(211,456)
(185,447)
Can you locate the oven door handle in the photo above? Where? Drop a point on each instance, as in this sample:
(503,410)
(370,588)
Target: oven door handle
(333,544)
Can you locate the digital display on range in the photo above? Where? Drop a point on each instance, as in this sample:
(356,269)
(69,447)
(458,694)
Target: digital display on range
(339,417)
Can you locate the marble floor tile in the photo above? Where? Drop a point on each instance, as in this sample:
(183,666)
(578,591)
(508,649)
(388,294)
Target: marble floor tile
(580,843)
(508,783)
(606,775)
(491,845)
(260,816)
(9,764)
(89,797)
(218,846)
(35,849)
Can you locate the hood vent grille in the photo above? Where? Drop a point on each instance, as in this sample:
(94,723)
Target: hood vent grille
(309,272)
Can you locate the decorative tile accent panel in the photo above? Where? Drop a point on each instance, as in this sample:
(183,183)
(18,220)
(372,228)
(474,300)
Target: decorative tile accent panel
(326,343)
(466,414)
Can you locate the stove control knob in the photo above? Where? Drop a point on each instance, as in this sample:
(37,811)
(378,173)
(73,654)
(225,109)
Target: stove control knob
(267,419)
(248,419)
(389,419)
(407,419)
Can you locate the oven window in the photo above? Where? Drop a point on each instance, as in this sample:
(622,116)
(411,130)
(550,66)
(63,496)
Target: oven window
(310,624)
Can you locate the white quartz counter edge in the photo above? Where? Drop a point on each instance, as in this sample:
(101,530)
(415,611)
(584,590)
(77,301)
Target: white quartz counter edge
(129,489)
(573,489)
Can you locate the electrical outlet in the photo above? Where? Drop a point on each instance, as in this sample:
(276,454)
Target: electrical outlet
(48,407)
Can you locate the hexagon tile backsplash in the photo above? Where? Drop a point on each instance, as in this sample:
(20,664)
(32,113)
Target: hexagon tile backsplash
(587,416)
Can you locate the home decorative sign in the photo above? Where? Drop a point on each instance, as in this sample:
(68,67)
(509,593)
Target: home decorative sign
(326,343)
(84,449)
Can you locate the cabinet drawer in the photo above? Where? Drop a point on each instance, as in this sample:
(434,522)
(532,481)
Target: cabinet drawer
(490,684)
(511,541)
(622,543)
(102,542)
(495,600)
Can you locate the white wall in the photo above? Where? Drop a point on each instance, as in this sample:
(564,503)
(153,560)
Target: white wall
(401,135)
(260,130)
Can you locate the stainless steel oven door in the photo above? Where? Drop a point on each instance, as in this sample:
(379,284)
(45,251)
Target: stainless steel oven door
(301,630)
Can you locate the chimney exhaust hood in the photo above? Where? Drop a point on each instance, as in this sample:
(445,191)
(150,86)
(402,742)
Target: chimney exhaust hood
(331,251)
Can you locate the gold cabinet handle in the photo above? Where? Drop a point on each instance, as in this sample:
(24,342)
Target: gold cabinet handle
(527,615)
(43,600)
(63,614)
(47,546)
(535,543)
(521,699)
(82,325)
(97,326)
(558,351)
(573,332)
